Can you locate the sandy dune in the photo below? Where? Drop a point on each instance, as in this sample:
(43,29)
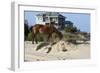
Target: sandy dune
(79,51)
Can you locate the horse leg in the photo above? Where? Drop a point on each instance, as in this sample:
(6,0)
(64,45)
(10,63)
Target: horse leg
(33,37)
(36,39)
(48,38)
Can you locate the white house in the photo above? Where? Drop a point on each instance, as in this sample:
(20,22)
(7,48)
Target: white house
(48,17)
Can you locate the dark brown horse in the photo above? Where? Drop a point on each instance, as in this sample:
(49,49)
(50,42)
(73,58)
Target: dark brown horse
(45,29)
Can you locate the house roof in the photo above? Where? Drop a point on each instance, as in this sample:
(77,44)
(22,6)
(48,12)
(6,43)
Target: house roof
(51,14)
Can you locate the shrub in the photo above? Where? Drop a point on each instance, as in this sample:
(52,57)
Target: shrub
(70,29)
(26,29)
(39,37)
(29,38)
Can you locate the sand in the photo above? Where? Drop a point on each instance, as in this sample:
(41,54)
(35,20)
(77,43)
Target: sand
(79,51)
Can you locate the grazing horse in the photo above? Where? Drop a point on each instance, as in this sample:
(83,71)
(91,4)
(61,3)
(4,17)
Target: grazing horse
(45,29)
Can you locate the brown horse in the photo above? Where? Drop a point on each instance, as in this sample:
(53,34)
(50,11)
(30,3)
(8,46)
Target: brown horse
(45,29)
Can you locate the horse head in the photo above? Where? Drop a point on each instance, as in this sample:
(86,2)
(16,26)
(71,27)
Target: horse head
(60,35)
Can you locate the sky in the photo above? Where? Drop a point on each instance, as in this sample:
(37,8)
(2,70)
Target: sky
(80,20)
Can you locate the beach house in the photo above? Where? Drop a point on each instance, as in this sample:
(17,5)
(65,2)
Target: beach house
(49,17)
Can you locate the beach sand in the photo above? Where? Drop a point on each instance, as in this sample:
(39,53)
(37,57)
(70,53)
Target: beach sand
(79,51)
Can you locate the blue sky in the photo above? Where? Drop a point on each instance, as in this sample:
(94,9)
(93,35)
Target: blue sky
(80,20)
